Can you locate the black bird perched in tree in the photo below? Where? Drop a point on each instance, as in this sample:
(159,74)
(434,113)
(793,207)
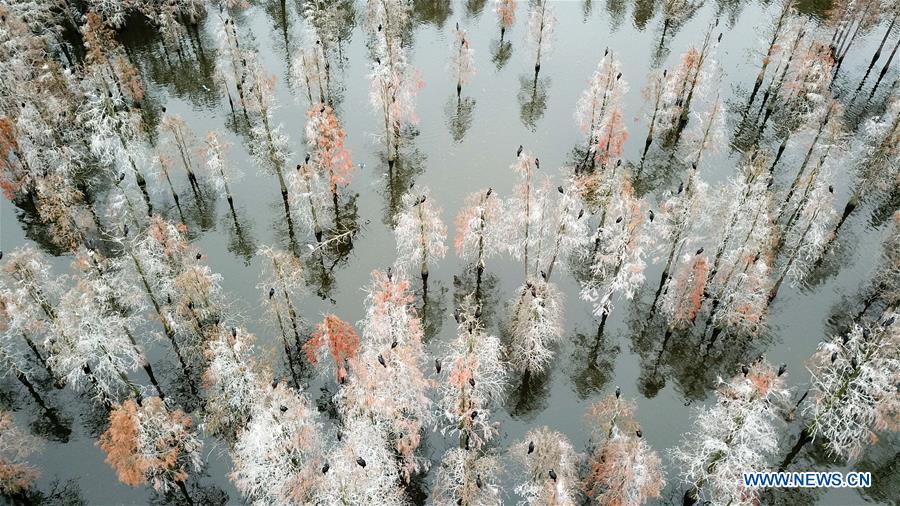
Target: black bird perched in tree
(381,361)
(394,344)
(271,292)
(530,447)
(1,254)
(830,188)
(197,256)
(307,158)
(745,369)
(618,76)
(361,461)
(866,333)
(699,251)
(720,37)
(781,369)
(618,391)
(619,219)
(490,190)
(437,365)
(519,151)
(890,321)
(325,468)
(544,275)
(125,230)
(605,51)
(652,216)
(680,188)
(169,299)
(233,332)
(379,27)
(560,189)
(283,408)
(478,480)
(552,474)
(580,214)
(390,275)
(459,502)
(190,304)
(833,357)
(474,414)
(121,176)
(854,362)
(472,382)
(639,433)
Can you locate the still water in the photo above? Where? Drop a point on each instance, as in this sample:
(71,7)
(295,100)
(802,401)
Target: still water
(461,147)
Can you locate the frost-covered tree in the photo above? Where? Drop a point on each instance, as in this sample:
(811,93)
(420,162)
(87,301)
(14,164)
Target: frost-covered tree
(16,474)
(387,385)
(147,442)
(740,270)
(565,229)
(854,388)
(277,456)
(197,308)
(541,25)
(462,62)
(89,347)
(231,63)
(808,232)
(474,382)
(234,382)
(599,112)
(623,469)
(521,208)
(360,469)
(329,156)
(468,477)
(182,140)
(480,231)
(693,77)
(622,242)
(686,291)
(420,233)
(394,83)
(536,324)
(683,215)
(223,174)
(282,282)
(334,339)
(310,73)
(271,147)
(30,292)
(309,195)
(549,466)
(877,167)
(735,435)
(707,133)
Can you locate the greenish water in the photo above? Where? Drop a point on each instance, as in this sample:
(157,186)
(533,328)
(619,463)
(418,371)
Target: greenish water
(457,150)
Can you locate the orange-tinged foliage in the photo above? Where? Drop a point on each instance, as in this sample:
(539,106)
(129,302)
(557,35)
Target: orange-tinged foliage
(159,459)
(329,152)
(611,139)
(506,11)
(341,339)
(120,442)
